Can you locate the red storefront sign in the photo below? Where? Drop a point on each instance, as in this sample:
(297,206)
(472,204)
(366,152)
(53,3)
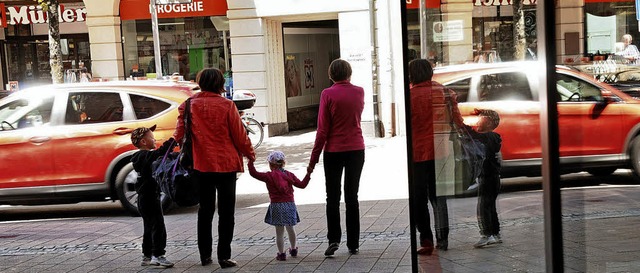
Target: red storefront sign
(430,4)
(501,2)
(139,9)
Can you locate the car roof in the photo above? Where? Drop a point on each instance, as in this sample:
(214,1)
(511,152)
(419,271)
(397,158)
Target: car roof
(161,88)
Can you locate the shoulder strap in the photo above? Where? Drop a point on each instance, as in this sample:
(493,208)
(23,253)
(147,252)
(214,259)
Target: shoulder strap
(187,121)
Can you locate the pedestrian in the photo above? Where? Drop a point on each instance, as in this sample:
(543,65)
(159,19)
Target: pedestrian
(154,238)
(430,121)
(340,137)
(282,212)
(628,50)
(219,142)
(489,184)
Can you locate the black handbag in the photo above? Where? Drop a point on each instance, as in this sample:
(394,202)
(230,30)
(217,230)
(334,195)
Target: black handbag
(173,172)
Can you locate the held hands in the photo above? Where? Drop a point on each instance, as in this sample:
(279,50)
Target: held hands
(311,167)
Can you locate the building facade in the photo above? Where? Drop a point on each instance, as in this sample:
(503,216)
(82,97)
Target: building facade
(281,52)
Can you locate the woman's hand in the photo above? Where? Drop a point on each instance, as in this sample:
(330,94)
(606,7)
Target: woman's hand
(311,167)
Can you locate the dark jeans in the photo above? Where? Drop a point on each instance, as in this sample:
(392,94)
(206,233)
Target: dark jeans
(487,212)
(154,238)
(225,186)
(424,191)
(334,163)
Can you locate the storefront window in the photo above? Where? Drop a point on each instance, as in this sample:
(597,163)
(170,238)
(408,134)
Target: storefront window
(187,45)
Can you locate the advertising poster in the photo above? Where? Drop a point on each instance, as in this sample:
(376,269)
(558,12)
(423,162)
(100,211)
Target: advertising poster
(292,81)
(308,74)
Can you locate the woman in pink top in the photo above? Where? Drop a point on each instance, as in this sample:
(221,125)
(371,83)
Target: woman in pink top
(282,212)
(340,137)
(219,142)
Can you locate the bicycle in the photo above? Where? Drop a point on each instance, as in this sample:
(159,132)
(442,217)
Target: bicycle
(245,99)
(255,131)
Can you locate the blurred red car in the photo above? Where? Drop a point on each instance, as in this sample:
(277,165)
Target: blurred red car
(71,143)
(599,125)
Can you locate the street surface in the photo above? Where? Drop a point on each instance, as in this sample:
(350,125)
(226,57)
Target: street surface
(601,218)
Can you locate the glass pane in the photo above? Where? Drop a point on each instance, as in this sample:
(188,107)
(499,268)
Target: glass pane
(475,130)
(599,143)
(88,107)
(146,107)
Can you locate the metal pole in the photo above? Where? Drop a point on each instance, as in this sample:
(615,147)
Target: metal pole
(423,29)
(226,50)
(549,132)
(407,112)
(156,38)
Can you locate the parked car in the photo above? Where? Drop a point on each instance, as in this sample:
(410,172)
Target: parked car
(599,125)
(71,143)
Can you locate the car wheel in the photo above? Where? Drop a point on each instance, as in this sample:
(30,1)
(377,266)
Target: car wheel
(125,187)
(635,156)
(602,171)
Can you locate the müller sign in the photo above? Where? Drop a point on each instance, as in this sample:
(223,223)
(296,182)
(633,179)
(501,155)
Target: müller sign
(26,15)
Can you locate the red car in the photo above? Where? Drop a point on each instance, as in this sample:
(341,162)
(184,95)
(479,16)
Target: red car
(599,125)
(71,143)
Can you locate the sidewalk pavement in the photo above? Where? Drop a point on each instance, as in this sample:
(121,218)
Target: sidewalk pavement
(112,244)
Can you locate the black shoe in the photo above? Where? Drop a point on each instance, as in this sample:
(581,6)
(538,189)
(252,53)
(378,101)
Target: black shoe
(354,251)
(206,261)
(227,263)
(443,245)
(331,249)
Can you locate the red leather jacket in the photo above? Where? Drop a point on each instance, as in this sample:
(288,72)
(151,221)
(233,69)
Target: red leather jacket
(430,120)
(219,139)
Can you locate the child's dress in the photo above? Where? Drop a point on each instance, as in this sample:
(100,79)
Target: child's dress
(282,211)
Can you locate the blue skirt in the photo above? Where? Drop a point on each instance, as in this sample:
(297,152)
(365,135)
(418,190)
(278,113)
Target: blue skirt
(282,214)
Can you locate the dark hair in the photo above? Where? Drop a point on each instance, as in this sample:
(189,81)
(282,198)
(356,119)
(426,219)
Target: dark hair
(420,70)
(492,115)
(339,70)
(211,80)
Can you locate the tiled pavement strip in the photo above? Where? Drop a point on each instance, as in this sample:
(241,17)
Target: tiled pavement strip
(112,244)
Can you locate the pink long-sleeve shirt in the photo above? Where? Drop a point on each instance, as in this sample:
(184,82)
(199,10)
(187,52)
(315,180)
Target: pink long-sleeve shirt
(339,116)
(279,183)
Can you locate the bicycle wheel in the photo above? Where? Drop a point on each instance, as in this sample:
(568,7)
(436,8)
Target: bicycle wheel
(254,131)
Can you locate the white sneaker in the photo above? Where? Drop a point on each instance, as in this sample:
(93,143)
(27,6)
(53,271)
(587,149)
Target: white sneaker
(484,241)
(498,238)
(161,261)
(492,240)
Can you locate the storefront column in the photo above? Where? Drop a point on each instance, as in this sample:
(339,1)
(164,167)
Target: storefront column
(458,52)
(257,44)
(569,25)
(105,39)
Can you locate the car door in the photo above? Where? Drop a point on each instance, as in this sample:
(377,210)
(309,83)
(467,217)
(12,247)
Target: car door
(25,142)
(588,125)
(95,131)
(510,94)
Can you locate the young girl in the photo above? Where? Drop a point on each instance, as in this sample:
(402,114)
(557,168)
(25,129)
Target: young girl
(282,212)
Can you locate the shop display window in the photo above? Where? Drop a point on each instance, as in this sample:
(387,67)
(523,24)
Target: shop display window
(187,45)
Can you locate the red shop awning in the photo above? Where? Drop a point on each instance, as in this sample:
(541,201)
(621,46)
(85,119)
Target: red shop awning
(139,9)
(430,4)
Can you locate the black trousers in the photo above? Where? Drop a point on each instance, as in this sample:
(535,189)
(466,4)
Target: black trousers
(334,164)
(488,190)
(154,238)
(424,191)
(224,184)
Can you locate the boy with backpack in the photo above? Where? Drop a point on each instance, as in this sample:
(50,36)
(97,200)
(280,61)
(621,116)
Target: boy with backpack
(154,238)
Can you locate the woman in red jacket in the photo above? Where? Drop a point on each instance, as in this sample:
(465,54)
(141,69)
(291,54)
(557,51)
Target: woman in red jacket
(219,142)
(340,136)
(429,103)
